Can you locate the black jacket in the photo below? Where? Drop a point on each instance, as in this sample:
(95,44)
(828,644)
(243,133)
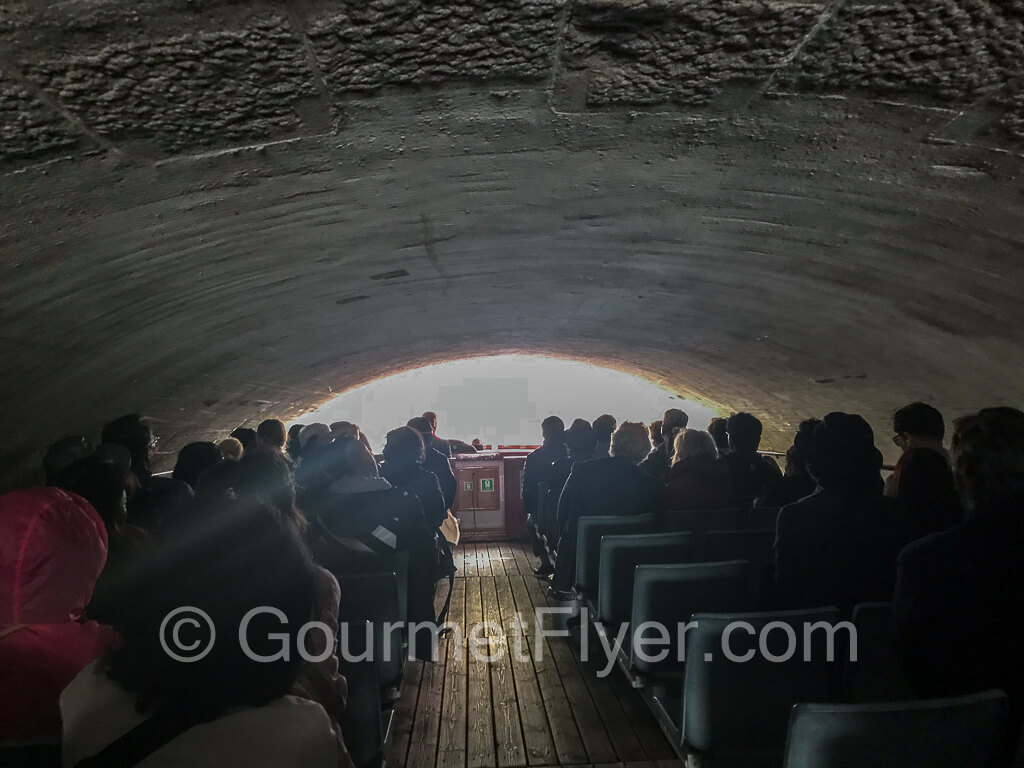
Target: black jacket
(417,480)
(657,463)
(539,468)
(436,462)
(959,609)
(609,486)
(836,549)
(752,474)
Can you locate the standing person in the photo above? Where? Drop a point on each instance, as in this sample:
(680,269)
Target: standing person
(753,476)
(53,546)
(246,436)
(657,441)
(539,469)
(613,485)
(959,593)
(604,425)
(916,427)
(435,461)
(402,467)
(658,460)
(158,499)
(194,460)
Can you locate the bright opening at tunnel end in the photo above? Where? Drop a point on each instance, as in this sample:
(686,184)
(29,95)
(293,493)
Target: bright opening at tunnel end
(502,399)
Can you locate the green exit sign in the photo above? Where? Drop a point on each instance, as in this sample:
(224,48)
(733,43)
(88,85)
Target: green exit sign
(487,485)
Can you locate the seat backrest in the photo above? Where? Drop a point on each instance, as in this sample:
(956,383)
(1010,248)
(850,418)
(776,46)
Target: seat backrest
(763,518)
(344,562)
(621,554)
(373,599)
(752,546)
(962,732)
(361,725)
(744,672)
(877,674)
(589,531)
(700,521)
(665,596)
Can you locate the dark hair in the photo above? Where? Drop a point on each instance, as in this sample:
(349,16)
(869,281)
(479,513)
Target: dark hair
(63,453)
(988,459)
(603,426)
(655,428)
(266,477)
(420,424)
(244,435)
(103,485)
(195,459)
(403,446)
(844,456)
(271,432)
(581,439)
(345,457)
(718,428)
(134,433)
(744,432)
(924,485)
(293,446)
(919,420)
(552,426)
(236,558)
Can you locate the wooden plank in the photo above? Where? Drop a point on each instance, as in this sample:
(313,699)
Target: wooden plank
(483,561)
(423,748)
(540,748)
(405,714)
(508,731)
(480,752)
(610,705)
(451,747)
(564,733)
(469,564)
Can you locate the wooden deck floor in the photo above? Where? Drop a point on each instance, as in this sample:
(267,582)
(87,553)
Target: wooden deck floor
(541,709)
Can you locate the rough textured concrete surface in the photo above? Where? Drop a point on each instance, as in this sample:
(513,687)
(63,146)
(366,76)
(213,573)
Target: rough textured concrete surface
(656,51)
(215,211)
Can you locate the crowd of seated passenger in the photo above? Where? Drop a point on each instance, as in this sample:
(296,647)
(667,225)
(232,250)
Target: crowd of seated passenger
(92,563)
(942,538)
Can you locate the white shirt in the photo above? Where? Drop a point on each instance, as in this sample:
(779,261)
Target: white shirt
(287,732)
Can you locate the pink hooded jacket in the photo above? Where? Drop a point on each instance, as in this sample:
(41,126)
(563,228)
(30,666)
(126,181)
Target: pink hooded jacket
(53,546)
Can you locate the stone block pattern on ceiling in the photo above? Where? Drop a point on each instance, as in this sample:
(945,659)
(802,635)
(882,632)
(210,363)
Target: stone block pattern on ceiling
(207,88)
(394,42)
(28,127)
(658,51)
(946,50)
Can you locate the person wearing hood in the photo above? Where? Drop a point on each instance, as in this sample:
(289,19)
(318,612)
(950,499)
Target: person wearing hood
(53,546)
(697,480)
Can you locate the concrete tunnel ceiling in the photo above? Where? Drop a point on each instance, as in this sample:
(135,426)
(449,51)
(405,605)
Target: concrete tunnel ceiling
(216,211)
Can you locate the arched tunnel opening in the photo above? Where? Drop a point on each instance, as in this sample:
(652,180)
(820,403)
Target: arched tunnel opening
(216,213)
